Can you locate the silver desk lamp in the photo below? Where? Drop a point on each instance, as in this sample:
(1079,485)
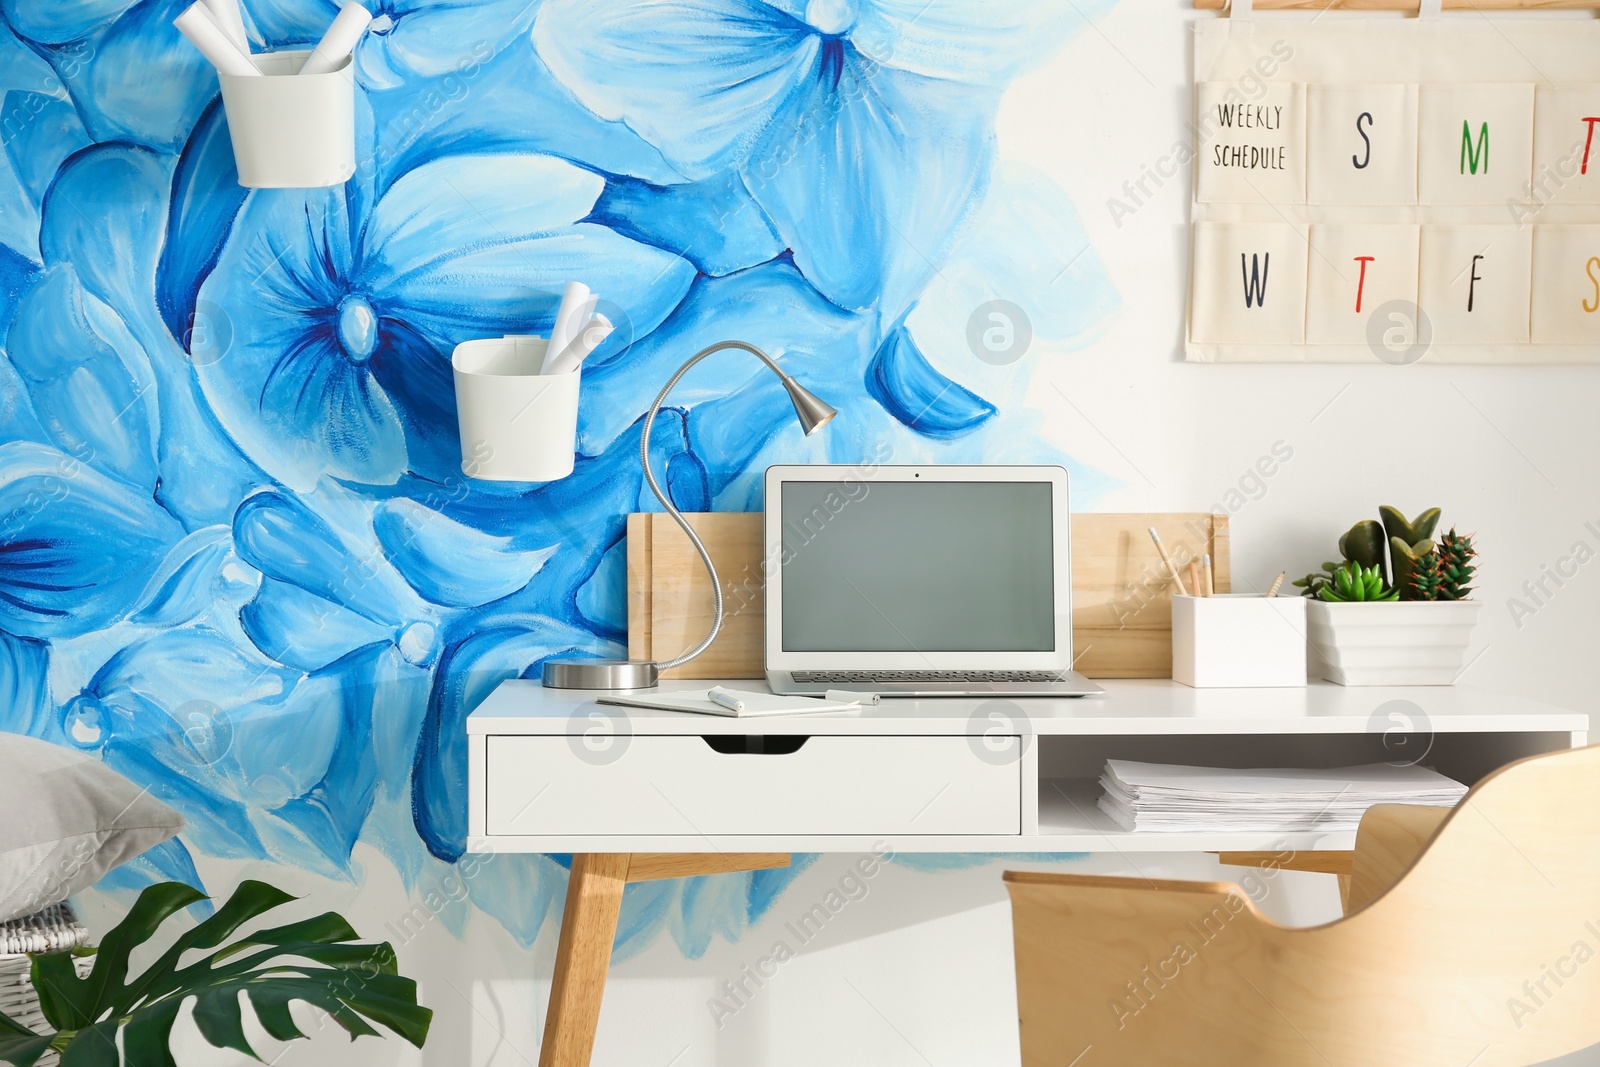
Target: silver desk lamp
(644,674)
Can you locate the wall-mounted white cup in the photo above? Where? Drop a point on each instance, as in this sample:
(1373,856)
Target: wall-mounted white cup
(291,132)
(517,425)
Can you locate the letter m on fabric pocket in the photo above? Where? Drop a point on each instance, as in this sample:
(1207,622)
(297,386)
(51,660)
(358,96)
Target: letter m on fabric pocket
(1475,143)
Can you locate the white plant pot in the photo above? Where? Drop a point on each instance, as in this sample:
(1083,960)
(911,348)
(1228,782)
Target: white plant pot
(517,425)
(1399,643)
(1239,640)
(288,131)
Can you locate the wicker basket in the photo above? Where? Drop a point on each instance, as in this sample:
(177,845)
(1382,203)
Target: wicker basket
(56,927)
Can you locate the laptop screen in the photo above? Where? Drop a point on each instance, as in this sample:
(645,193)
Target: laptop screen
(934,566)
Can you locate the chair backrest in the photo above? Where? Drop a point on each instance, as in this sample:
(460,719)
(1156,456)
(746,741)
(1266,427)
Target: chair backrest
(1486,952)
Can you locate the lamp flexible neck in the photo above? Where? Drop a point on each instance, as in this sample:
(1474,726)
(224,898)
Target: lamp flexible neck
(677,516)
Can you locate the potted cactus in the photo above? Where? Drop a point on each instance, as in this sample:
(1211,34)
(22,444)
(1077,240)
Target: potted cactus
(1396,609)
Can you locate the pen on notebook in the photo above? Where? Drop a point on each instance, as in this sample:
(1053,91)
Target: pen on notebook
(1171,569)
(1205,571)
(725,698)
(1272,590)
(844,696)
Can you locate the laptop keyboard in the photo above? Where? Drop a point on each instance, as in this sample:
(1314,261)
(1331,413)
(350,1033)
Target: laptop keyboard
(829,677)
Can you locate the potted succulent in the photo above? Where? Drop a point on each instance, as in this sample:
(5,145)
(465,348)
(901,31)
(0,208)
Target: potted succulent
(1396,610)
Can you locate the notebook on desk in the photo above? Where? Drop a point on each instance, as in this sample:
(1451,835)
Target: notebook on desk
(756,705)
(920,581)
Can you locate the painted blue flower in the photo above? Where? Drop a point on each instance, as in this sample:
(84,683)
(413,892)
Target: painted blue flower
(109,54)
(237,557)
(263,760)
(343,312)
(102,224)
(863,129)
(441,78)
(409,39)
(25,686)
(60,23)
(415,40)
(322,597)
(40,131)
(16,407)
(345,576)
(91,382)
(745,421)
(348,586)
(76,547)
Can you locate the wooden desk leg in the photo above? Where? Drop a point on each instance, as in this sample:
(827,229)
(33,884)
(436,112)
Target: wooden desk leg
(583,956)
(589,926)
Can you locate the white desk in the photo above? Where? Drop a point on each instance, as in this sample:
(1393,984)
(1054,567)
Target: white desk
(552,771)
(638,794)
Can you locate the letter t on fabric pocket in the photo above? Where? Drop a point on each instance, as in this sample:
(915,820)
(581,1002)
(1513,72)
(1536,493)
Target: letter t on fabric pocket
(1354,271)
(1566,149)
(1249,284)
(1361,144)
(1251,149)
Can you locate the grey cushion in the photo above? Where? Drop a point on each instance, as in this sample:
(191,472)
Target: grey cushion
(65,820)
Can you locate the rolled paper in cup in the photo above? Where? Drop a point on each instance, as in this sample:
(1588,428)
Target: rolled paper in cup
(201,29)
(340,40)
(567,322)
(580,347)
(226,14)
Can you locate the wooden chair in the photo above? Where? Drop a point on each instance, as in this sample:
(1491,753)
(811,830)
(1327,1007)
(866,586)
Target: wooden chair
(1471,937)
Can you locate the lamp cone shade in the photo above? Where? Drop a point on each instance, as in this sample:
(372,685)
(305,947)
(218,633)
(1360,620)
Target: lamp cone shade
(812,412)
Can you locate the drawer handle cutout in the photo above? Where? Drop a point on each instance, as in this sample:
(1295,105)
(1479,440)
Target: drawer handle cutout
(755,744)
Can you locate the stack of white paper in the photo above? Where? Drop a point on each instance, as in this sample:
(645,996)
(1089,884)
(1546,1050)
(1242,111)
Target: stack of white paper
(1160,797)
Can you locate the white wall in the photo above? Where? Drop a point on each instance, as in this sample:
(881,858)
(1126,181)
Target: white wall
(1507,452)
(918,972)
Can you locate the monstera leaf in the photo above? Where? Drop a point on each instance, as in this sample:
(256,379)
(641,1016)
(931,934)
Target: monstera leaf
(312,960)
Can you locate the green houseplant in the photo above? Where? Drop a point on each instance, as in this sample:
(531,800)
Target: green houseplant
(1395,611)
(316,960)
(1352,583)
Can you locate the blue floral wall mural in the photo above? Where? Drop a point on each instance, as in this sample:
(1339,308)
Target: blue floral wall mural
(238,559)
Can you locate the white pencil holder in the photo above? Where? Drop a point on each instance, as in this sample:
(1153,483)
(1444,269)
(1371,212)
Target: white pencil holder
(1238,641)
(288,131)
(517,425)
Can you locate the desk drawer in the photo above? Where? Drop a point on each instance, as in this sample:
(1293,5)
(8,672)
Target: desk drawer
(683,786)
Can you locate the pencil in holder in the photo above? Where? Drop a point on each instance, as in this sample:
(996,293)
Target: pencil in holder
(517,425)
(1238,640)
(291,131)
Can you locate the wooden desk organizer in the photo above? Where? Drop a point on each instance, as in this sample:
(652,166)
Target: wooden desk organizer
(1121,595)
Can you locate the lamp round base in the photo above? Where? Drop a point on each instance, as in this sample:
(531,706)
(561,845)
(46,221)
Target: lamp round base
(600,674)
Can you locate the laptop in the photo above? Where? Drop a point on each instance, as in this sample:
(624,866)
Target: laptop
(919,581)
